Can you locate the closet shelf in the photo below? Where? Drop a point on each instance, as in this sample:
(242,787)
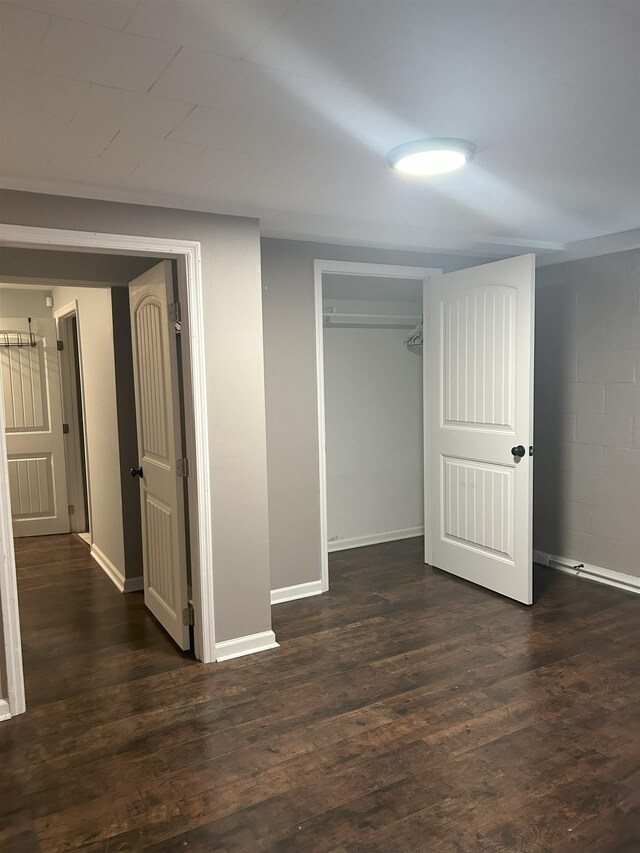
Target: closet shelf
(371,321)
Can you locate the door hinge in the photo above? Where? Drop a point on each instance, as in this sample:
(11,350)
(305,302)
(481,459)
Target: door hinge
(182,468)
(175,315)
(187,615)
(65,429)
(72,509)
(60,345)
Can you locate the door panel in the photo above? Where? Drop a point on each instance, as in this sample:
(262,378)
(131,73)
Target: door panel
(25,389)
(480,407)
(477,331)
(33,416)
(159,448)
(478,506)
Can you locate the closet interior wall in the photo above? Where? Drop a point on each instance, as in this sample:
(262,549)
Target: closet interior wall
(373,400)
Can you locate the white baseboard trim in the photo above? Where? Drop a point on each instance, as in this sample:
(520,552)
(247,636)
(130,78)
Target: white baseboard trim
(5,710)
(299,590)
(249,645)
(584,570)
(133,584)
(112,572)
(375,539)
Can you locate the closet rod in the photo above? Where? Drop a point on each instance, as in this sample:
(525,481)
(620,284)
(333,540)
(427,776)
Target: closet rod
(336,318)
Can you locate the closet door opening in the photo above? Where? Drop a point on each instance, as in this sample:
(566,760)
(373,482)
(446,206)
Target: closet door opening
(370,353)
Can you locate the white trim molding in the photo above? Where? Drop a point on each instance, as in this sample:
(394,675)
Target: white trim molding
(114,574)
(110,569)
(135,584)
(320,267)
(10,621)
(298,590)
(5,711)
(629,583)
(188,255)
(249,645)
(375,539)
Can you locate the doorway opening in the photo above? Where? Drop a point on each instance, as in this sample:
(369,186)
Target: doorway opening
(166,346)
(478,326)
(92,389)
(370,401)
(75,456)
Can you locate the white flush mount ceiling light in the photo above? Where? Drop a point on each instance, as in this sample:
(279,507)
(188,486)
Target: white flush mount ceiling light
(431,156)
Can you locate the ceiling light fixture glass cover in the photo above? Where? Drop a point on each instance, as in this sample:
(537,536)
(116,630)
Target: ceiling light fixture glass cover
(431,156)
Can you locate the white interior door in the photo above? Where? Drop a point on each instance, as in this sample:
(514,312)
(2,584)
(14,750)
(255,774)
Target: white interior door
(478,476)
(159,449)
(33,417)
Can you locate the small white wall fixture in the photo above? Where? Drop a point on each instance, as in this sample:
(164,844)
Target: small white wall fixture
(188,255)
(352,268)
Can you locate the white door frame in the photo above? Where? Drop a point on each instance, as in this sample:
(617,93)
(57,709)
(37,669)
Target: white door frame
(72,309)
(355,268)
(188,255)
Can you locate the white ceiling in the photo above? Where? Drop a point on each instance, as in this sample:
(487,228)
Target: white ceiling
(285,109)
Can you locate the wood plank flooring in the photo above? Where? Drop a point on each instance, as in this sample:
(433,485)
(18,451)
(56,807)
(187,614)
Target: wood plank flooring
(404,711)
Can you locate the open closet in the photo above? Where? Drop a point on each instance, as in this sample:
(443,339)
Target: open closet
(372,337)
(475,414)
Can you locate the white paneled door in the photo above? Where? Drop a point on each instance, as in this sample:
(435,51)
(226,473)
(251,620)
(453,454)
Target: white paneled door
(33,417)
(159,450)
(478,476)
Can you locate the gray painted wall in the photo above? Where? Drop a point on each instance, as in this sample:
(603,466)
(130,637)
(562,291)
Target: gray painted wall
(23,302)
(587,411)
(71,266)
(235,381)
(290,379)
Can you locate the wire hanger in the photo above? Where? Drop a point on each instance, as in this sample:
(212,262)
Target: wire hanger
(415,340)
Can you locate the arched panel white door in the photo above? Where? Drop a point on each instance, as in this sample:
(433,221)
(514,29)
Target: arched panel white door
(159,449)
(479,482)
(33,416)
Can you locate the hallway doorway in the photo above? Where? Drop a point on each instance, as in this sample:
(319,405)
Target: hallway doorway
(184,256)
(79,633)
(88,408)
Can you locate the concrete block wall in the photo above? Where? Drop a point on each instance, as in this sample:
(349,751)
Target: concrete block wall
(587,411)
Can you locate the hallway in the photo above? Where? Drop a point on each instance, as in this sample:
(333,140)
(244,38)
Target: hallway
(404,711)
(79,632)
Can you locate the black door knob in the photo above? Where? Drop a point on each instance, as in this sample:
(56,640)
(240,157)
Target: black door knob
(518,451)
(136,472)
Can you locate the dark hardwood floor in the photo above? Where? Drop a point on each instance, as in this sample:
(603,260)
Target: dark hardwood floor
(404,711)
